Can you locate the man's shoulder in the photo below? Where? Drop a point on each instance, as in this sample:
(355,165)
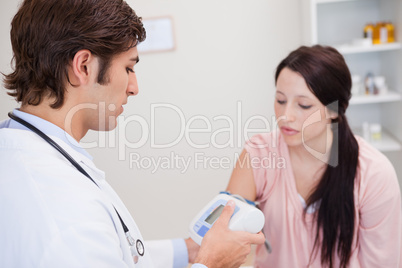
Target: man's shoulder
(26,159)
(24,152)
(18,139)
(5,123)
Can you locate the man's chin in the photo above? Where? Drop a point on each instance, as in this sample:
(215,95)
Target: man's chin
(107,126)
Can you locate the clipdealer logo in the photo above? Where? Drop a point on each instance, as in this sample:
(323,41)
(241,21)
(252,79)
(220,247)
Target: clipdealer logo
(330,153)
(200,160)
(235,133)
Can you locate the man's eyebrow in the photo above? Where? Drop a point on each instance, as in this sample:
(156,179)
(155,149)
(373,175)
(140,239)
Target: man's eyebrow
(136,59)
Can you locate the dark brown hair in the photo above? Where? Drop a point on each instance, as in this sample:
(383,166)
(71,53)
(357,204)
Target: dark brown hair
(327,76)
(46,35)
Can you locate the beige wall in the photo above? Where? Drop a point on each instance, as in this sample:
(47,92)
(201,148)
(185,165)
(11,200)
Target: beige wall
(225,57)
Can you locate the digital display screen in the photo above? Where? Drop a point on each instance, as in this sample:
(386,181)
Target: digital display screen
(214,215)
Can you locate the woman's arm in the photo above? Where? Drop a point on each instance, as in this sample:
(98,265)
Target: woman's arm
(242,179)
(380,220)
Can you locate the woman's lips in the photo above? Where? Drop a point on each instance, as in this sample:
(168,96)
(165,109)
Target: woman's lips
(289,131)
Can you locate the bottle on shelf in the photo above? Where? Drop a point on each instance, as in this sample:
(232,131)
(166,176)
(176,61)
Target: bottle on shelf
(375,132)
(370,85)
(372,132)
(356,85)
(376,34)
(380,33)
(391,32)
(368,31)
(380,85)
(366,131)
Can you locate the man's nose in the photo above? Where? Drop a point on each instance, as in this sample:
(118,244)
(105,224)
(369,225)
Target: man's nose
(132,87)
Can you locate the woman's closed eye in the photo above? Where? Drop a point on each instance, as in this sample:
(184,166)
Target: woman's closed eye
(303,106)
(306,107)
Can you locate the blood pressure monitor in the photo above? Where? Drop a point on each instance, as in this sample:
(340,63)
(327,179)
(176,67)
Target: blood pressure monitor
(246,217)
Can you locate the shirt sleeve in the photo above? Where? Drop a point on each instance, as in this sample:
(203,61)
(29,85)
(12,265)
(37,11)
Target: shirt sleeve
(379,233)
(180,259)
(198,265)
(264,158)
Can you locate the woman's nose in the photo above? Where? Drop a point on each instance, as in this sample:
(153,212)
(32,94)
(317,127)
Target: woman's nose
(289,113)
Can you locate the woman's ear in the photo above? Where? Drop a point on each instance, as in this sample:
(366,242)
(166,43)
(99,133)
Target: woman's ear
(83,68)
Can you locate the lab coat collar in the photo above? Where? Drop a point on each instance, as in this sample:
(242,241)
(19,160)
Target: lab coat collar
(19,138)
(81,158)
(48,128)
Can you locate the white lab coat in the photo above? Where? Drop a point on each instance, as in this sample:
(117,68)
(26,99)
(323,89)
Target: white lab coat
(52,215)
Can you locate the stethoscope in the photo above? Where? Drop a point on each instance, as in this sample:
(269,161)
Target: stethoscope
(136,246)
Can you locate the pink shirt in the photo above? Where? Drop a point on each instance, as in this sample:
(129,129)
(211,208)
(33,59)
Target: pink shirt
(378,232)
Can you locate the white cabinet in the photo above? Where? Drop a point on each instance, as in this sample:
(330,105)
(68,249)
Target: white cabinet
(339,23)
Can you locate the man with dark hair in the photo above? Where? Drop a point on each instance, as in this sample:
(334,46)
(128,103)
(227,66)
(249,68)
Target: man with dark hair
(73,71)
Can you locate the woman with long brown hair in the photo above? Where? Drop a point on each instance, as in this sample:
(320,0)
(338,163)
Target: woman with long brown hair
(335,200)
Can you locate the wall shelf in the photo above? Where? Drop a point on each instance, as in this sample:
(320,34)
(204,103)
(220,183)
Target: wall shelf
(387,143)
(369,99)
(352,49)
(340,23)
(332,1)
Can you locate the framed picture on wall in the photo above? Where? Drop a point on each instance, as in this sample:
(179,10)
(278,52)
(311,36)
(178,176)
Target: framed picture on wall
(160,35)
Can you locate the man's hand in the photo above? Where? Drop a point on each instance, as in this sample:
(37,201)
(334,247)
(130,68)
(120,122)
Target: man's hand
(223,248)
(192,249)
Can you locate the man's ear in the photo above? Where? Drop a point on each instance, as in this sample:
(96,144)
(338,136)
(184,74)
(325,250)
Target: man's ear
(83,68)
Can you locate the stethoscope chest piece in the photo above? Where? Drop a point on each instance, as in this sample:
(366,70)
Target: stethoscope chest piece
(140,248)
(136,250)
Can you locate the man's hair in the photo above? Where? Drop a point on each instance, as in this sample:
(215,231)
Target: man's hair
(46,35)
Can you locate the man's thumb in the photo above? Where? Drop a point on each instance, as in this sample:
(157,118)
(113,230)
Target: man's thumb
(227,213)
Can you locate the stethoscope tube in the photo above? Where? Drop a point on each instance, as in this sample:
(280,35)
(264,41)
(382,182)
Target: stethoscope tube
(80,169)
(52,143)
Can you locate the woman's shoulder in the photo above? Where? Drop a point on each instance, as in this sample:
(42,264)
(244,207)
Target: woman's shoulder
(375,172)
(370,157)
(265,142)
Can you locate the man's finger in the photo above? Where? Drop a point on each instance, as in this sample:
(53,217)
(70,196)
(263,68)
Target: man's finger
(256,238)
